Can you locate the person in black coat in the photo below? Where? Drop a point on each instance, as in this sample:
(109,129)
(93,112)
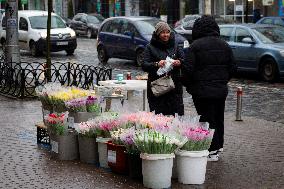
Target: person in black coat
(209,66)
(163,44)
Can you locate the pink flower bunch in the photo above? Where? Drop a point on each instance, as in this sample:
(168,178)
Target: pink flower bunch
(198,134)
(91,100)
(86,129)
(127,137)
(76,105)
(55,118)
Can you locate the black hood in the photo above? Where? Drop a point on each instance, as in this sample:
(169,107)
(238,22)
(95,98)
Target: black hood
(205,26)
(156,42)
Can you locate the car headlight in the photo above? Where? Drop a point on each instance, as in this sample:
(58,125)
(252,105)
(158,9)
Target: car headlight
(185,44)
(281,53)
(43,35)
(72,33)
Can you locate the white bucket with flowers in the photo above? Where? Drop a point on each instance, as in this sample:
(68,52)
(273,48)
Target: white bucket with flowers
(157,153)
(192,157)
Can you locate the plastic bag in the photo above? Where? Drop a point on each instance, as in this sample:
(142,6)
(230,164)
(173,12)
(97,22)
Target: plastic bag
(167,67)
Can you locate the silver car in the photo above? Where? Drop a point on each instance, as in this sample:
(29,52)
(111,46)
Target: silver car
(257,48)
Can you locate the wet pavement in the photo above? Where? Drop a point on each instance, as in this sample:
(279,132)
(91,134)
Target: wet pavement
(253,156)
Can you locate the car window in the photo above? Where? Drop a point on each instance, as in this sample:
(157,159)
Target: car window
(242,33)
(23,24)
(270,34)
(129,27)
(267,21)
(225,33)
(40,22)
(279,22)
(93,19)
(112,26)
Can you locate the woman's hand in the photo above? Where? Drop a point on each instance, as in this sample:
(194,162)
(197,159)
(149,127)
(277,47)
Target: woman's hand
(161,63)
(176,63)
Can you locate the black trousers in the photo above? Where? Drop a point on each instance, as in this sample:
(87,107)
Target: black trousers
(212,111)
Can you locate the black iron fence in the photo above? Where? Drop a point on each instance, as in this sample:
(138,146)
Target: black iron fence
(20,80)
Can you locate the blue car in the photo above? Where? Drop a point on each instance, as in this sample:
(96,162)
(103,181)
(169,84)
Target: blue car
(274,20)
(127,37)
(257,48)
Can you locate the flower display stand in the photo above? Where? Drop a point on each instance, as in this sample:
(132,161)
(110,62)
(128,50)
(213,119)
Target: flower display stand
(88,150)
(135,166)
(191,166)
(64,147)
(82,116)
(151,163)
(117,158)
(102,149)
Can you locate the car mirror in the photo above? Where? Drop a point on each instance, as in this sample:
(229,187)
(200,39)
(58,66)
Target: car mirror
(248,40)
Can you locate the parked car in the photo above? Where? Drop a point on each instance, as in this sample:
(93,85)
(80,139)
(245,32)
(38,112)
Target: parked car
(187,18)
(33,33)
(276,20)
(186,25)
(67,21)
(86,24)
(127,37)
(257,48)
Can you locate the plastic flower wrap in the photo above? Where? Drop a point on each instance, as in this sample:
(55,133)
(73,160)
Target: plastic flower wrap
(105,123)
(127,137)
(197,138)
(57,122)
(93,104)
(76,105)
(86,129)
(115,136)
(153,142)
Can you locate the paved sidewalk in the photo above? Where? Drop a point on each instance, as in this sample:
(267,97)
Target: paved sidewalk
(253,156)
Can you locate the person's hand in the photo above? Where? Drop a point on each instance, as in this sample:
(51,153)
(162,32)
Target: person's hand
(176,63)
(161,63)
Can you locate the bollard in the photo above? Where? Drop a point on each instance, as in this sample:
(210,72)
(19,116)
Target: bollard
(239,104)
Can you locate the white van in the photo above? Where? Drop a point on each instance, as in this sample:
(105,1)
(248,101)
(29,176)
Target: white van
(33,32)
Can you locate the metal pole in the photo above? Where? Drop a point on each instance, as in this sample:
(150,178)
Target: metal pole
(12,43)
(247,11)
(239,104)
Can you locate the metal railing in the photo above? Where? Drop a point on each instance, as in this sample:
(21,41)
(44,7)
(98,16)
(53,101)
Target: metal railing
(20,80)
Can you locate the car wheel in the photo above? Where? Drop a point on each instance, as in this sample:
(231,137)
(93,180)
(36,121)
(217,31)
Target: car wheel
(89,33)
(70,52)
(139,57)
(33,49)
(269,70)
(102,55)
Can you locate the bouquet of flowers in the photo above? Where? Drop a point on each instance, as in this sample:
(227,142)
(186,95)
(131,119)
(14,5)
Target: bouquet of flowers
(153,142)
(105,123)
(86,129)
(115,136)
(127,137)
(57,122)
(93,104)
(198,139)
(76,105)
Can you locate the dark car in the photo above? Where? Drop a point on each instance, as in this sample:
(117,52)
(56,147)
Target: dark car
(126,37)
(272,20)
(257,48)
(86,24)
(185,25)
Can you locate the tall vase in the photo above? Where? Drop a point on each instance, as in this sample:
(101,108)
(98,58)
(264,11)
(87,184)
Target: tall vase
(151,163)
(64,147)
(117,158)
(88,150)
(102,149)
(191,166)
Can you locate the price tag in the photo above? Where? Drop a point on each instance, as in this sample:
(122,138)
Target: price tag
(54,146)
(111,156)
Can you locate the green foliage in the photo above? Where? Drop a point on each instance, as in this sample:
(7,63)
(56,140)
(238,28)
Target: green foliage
(197,145)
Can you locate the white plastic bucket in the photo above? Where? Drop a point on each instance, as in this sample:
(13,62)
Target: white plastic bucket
(102,149)
(191,166)
(157,170)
